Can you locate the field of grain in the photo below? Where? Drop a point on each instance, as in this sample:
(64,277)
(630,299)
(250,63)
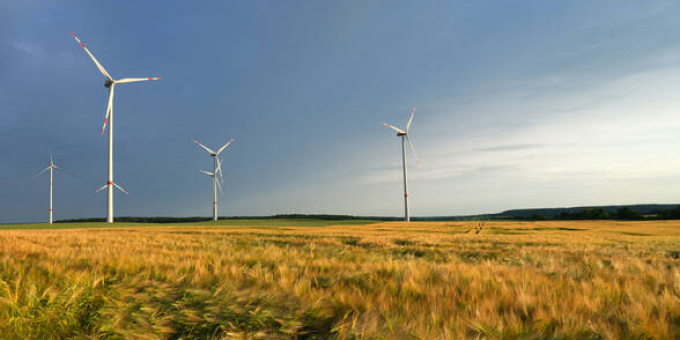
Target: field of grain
(319,280)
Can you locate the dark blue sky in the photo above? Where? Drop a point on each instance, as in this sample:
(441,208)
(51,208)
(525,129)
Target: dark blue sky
(520,104)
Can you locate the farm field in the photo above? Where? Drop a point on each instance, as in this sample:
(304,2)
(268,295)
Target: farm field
(277,279)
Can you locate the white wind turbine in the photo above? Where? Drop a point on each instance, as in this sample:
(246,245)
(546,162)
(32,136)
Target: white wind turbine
(51,168)
(217,169)
(108,117)
(404,138)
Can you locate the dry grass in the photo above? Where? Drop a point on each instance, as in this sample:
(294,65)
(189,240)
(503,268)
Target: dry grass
(534,280)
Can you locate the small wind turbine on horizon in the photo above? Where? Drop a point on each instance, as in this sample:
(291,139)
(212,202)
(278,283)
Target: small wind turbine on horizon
(404,138)
(217,169)
(110,83)
(51,168)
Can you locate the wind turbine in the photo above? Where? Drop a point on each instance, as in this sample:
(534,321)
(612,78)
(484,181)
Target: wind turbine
(110,83)
(51,168)
(216,169)
(404,138)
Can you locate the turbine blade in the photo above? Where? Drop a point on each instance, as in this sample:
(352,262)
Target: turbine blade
(207,173)
(410,120)
(220,187)
(64,170)
(121,189)
(219,169)
(109,108)
(415,155)
(224,147)
(42,172)
(394,128)
(99,66)
(205,147)
(102,188)
(219,165)
(51,162)
(132,80)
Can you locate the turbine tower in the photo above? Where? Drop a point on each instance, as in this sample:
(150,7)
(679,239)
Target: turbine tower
(110,83)
(216,169)
(403,134)
(51,168)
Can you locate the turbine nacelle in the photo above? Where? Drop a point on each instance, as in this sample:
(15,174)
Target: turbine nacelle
(108,83)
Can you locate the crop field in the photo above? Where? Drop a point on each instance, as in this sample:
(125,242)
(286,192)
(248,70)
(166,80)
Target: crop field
(273,279)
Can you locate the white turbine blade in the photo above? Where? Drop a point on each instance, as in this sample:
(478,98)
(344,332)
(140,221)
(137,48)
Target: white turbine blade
(99,66)
(207,173)
(224,147)
(109,108)
(220,187)
(394,128)
(51,161)
(219,165)
(415,155)
(132,80)
(102,188)
(64,170)
(410,120)
(205,147)
(121,189)
(42,172)
(219,169)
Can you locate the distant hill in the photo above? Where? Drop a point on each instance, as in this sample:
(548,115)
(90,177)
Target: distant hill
(552,212)
(557,213)
(621,212)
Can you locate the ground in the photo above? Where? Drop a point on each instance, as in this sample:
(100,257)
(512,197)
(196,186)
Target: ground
(287,279)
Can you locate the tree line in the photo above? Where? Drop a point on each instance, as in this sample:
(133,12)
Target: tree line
(623,213)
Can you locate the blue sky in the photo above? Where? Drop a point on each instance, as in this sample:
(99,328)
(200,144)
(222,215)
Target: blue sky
(520,104)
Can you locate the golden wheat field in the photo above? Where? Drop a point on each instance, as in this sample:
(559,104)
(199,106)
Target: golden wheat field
(390,280)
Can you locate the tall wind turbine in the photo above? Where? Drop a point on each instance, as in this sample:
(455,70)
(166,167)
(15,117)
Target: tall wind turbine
(404,138)
(51,168)
(217,171)
(110,83)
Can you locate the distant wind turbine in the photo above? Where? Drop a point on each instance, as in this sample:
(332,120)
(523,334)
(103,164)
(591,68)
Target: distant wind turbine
(404,138)
(108,117)
(217,171)
(51,168)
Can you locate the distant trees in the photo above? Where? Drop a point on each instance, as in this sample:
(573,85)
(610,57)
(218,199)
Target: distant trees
(626,213)
(672,214)
(538,217)
(622,213)
(584,214)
